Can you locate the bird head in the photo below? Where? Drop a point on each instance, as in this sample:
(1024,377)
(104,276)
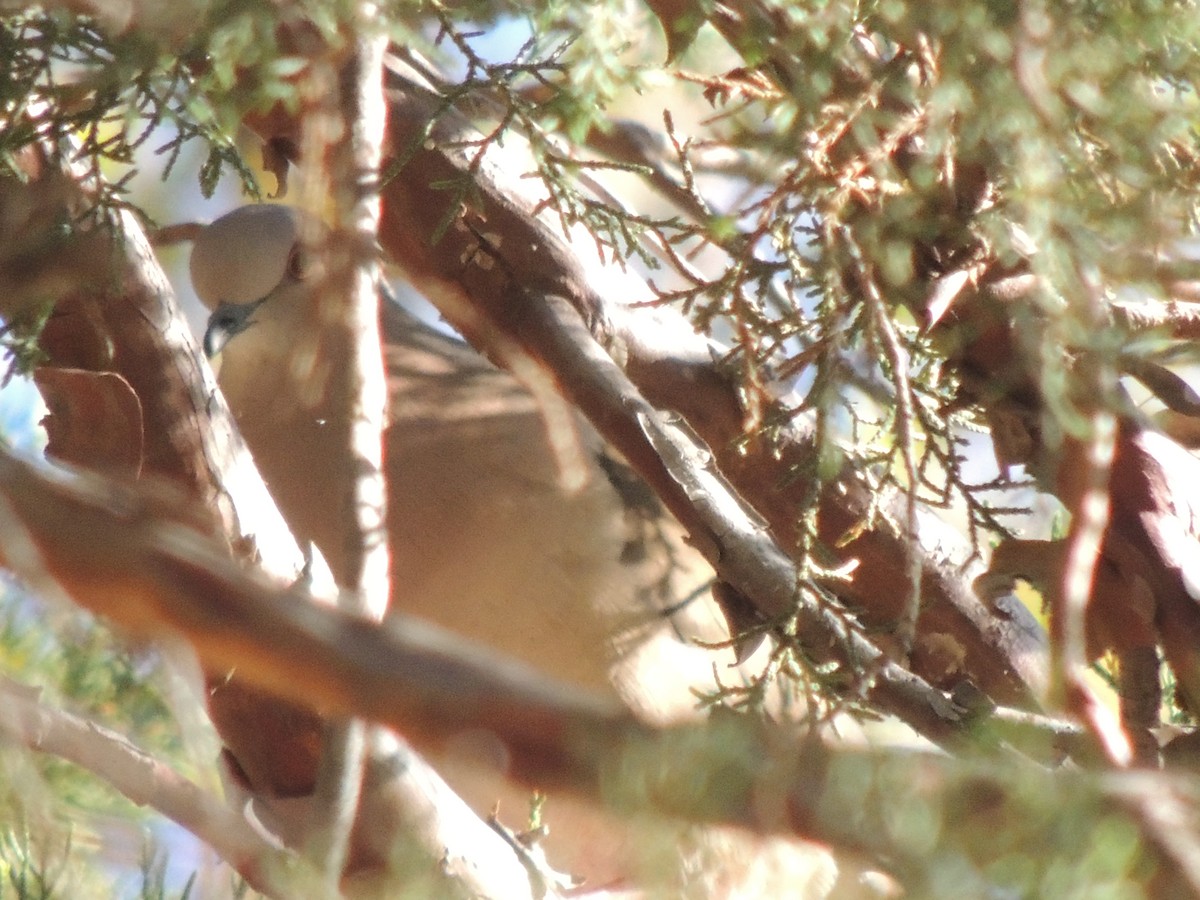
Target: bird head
(254,269)
(244,260)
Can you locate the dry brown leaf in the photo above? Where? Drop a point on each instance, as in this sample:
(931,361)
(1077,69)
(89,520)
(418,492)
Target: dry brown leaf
(94,419)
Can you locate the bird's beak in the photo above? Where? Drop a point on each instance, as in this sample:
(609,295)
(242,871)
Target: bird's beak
(227,320)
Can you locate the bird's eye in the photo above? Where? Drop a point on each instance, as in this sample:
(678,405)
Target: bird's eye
(298,264)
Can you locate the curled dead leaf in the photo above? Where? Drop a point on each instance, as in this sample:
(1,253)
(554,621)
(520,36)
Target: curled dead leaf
(94,419)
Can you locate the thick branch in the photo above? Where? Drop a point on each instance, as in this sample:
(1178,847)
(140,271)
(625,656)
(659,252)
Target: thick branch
(732,770)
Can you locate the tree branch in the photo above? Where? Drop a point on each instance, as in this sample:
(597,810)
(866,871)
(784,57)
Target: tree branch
(152,575)
(469,238)
(349,103)
(146,781)
(495,291)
